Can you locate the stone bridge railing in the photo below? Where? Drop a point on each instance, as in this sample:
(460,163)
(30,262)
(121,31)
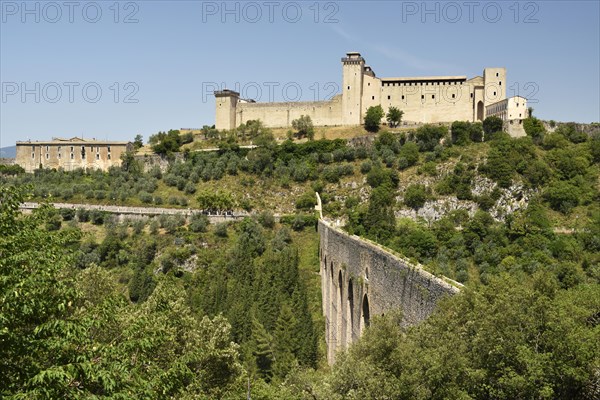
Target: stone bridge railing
(360,279)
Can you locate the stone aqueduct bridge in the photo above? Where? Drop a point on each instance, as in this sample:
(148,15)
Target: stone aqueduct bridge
(359,279)
(135,212)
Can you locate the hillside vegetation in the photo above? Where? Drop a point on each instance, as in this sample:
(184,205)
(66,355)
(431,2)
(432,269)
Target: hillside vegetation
(164,308)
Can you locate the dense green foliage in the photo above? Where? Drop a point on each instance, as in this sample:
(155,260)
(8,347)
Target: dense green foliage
(517,338)
(164,308)
(168,143)
(67,330)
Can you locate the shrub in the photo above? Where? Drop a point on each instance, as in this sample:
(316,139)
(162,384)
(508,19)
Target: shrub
(97,217)
(266,219)
(408,156)
(145,197)
(562,196)
(366,166)
(221,229)
(67,214)
(190,188)
(415,196)
(379,177)
(198,223)
(428,136)
(306,202)
(83,215)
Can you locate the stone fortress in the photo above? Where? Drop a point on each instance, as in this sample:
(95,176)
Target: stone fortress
(427,99)
(70,154)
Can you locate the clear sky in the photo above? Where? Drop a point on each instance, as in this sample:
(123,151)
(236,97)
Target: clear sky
(111,70)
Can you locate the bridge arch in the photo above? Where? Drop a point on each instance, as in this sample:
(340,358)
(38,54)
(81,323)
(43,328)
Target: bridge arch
(350,313)
(365,320)
(341,318)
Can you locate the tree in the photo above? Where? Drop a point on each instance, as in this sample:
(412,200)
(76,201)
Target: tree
(562,196)
(379,220)
(304,127)
(138,142)
(130,164)
(165,144)
(492,125)
(394,116)
(534,128)
(36,296)
(198,223)
(408,155)
(373,118)
(460,132)
(251,129)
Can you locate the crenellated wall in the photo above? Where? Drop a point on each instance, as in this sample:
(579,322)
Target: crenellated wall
(360,279)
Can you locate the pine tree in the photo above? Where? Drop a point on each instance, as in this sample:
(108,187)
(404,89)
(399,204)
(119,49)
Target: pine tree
(285,342)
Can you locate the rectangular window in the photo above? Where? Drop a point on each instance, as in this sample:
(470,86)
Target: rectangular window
(58,155)
(402,97)
(108,149)
(109,156)
(32,155)
(453,95)
(422,97)
(72,149)
(97,149)
(97,156)
(47,156)
(47,148)
(59,149)
(32,148)
(72,156)
(471,95)
(433,96)
(372,97)
(389,97)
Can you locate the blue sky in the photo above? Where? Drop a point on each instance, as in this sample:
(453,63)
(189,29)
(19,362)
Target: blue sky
(156,62)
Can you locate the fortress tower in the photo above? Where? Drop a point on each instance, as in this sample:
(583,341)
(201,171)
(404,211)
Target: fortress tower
(494,85)
(352,88)
(226,107)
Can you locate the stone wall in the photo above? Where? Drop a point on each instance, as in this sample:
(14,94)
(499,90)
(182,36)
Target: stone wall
(360,279)
(281,115)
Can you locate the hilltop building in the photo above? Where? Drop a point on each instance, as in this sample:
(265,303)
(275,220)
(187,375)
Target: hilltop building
(427,99)
(70,154)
